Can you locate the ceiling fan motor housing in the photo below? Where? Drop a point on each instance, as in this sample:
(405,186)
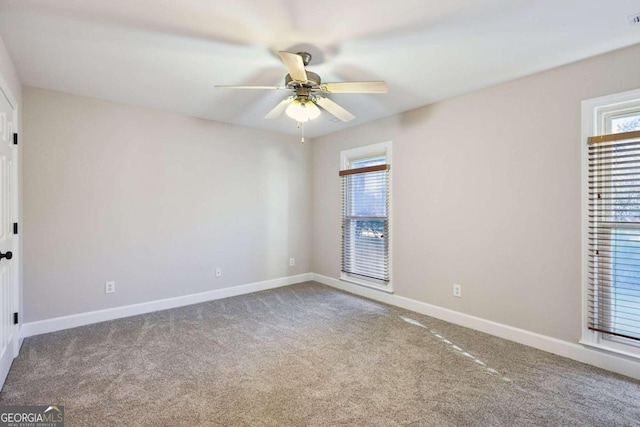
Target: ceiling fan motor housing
(313,80)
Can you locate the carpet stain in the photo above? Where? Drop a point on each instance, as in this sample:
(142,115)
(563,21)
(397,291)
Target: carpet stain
(454,347)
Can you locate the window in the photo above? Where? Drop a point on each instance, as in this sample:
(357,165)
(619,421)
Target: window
(366,175)
(612,220)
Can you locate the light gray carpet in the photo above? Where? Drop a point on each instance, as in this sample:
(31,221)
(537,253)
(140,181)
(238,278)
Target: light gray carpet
(308,355)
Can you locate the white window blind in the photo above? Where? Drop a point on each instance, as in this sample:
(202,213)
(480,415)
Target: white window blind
(365,222)
(613,288)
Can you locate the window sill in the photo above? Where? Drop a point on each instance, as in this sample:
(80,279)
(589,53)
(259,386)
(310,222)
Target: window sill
(384,288)
(610,349)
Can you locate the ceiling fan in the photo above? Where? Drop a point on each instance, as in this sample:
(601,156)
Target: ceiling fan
(307,89)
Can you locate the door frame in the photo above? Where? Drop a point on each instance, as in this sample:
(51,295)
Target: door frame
(17,215)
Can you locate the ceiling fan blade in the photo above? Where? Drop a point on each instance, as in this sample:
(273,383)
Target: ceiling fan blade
(295,66)
(250,87)
(354,87)
(334,108)
(279,109)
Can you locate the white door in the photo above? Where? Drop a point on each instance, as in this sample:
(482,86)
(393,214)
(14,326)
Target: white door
(8,213)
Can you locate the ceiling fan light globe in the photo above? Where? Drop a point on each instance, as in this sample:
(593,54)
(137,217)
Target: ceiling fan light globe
(302,111)
(314,111)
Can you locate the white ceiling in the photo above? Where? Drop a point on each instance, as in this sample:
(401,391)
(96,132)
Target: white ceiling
(169,54)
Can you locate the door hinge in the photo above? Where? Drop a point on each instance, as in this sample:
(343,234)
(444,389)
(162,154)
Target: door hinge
(15,318)
(15,228)
(15,139)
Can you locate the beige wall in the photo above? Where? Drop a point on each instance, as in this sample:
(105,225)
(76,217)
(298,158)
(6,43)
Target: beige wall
(486,194)
(153,201)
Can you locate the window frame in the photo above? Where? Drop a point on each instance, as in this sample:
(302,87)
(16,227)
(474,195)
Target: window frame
(366,152)
(596,118)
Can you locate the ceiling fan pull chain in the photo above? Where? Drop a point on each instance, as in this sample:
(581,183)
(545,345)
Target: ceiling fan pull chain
(301,126)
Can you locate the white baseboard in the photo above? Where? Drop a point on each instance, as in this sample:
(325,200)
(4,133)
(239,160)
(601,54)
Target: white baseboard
(601,359)
(75,320)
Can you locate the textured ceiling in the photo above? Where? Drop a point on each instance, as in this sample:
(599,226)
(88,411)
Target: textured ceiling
(168,55)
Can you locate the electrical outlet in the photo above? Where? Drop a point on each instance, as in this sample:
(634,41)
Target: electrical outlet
(109,287)
(292,262)
(218,272)
(457,290)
